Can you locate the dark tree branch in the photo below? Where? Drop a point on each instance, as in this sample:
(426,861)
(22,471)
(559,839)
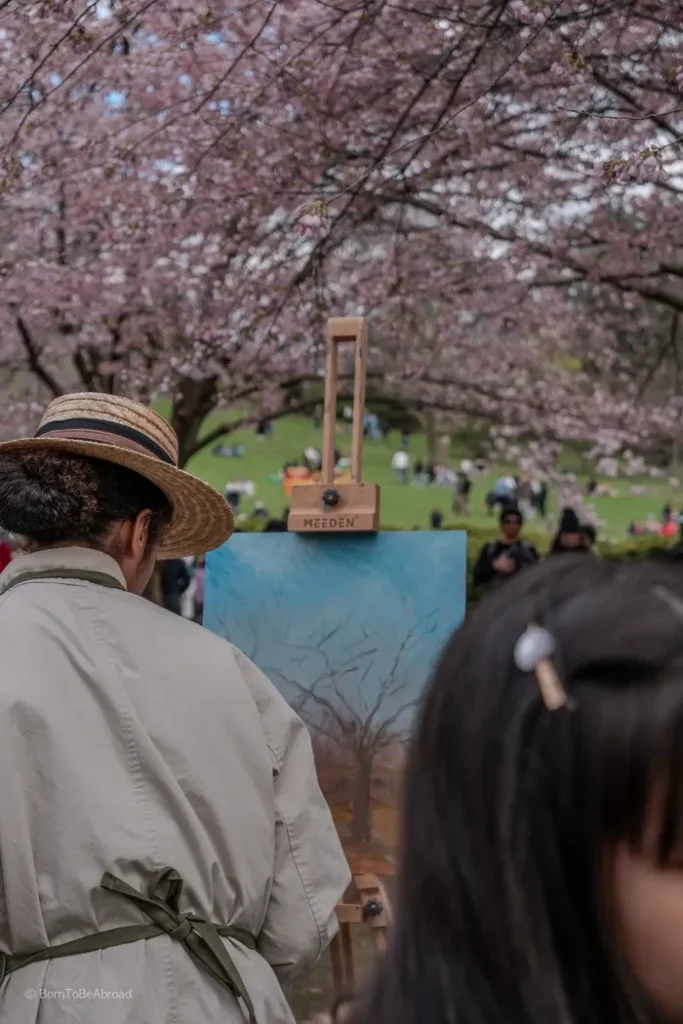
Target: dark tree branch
(33,359)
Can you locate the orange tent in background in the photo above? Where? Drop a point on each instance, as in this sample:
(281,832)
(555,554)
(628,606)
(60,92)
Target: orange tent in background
(295,475)
(298,475)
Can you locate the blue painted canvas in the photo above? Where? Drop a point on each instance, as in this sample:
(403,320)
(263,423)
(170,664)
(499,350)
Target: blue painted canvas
(348,628)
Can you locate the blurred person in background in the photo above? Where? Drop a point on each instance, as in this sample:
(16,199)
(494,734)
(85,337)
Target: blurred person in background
(175,579)
(539,496)
(501,559)
(669,527)
(275,526)
(400,465)
(571,535)
(435,519)
(199,578)
(6,549)
(461,493)
(591,535)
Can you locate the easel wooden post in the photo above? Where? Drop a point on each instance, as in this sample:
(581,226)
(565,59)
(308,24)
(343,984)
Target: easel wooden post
(332,506)
(335,507)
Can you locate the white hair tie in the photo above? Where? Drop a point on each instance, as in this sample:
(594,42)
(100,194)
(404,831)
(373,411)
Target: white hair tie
(533,653)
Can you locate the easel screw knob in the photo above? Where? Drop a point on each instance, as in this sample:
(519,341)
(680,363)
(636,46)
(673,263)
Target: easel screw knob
(373,908)
(331,497)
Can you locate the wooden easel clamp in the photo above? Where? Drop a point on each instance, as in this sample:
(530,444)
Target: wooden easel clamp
(335,506)
(373,911)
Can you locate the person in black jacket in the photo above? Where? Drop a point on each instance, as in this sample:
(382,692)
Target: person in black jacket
(175,579)
(500,560)
(571,536)
(435,519)
(591,535)
(275,526)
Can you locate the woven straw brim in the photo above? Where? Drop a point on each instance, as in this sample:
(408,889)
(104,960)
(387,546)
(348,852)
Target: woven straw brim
(201,520)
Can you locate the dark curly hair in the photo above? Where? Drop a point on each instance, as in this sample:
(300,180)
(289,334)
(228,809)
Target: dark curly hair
(52,497)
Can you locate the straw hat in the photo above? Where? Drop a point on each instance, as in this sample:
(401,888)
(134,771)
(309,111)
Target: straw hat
(118,430)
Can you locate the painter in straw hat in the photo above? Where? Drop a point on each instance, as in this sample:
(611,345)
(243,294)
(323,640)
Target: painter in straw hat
(169,839)
(131,435)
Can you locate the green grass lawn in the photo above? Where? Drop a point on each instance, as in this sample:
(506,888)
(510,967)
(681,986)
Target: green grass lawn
(403,506)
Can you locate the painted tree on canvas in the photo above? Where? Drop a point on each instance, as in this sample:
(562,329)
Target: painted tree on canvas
(356,692)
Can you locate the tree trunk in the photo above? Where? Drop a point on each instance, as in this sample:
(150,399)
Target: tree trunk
(193,402)
(445,445)
(361,826)
(678,379)
(432,439)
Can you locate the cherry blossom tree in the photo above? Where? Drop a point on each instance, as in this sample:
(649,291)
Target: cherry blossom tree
(188,188)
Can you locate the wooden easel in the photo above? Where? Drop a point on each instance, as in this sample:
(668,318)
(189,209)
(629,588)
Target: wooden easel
(345,507)
(332,506)
(374,910)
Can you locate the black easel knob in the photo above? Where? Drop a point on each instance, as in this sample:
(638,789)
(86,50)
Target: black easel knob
(331,497)
(373,908)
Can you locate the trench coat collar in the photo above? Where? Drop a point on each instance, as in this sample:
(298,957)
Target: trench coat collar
(71,558)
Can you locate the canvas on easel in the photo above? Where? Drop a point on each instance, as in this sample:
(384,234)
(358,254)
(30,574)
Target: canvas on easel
(348,629)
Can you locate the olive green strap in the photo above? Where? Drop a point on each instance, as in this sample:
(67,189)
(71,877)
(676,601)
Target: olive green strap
(91,576)
(201,939)
(85,944)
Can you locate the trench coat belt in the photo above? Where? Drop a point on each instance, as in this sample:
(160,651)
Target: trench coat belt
(201,939)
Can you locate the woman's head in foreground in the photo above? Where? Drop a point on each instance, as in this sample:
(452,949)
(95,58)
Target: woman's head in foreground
(55,499)
(542,871)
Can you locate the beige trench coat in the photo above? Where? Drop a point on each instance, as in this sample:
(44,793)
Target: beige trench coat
(132,740)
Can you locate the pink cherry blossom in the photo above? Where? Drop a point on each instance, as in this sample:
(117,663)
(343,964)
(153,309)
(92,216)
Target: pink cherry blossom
(525,14)
(188,190)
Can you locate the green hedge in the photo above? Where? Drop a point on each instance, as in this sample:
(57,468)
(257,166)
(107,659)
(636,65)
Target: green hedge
(638,547)
(477,536)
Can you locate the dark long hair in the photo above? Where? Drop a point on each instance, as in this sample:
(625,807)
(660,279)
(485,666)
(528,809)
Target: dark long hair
(501,914)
